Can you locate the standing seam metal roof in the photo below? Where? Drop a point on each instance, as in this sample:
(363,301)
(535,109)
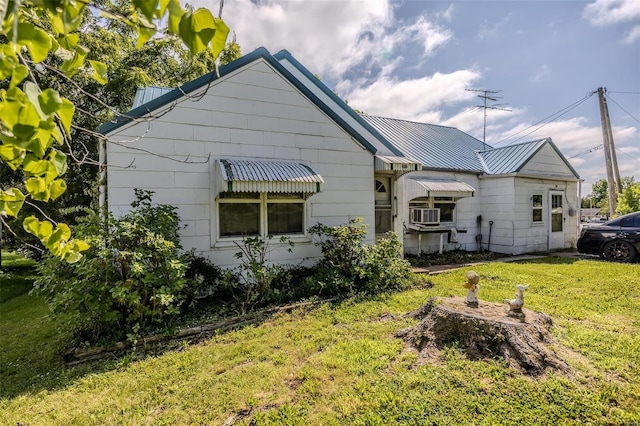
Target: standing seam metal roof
(436,147)
(512,158)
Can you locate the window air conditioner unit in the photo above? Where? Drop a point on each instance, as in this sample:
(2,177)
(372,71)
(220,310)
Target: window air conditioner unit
(425,216)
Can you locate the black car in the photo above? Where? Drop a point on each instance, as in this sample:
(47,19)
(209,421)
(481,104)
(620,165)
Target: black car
(617,239)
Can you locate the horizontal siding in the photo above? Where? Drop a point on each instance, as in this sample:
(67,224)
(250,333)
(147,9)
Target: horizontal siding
(546,162)
(252,114)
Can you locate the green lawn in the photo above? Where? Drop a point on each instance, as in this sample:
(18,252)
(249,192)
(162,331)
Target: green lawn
(340,364)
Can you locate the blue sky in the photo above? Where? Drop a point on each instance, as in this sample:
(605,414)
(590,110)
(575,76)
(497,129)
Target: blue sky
(414,59)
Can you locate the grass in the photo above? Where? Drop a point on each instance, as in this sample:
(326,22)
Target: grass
(340,364)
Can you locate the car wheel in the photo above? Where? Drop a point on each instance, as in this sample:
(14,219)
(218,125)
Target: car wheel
(619,251)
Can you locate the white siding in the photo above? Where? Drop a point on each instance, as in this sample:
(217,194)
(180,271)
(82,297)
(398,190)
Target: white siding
(252,113)
(465,216)
(547,162)
(507,202)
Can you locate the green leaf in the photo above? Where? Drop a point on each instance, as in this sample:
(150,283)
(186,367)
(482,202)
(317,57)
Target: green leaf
(32,166)
(68,17)
(33,226)
(32,91)
(49,101)
(147,7)
(197,29)
(11,202)
(38,188)
(57,188)
(18,74)
(36,40)
(71,66)
(59,161)
(60,235)
(69,41)
(146,30)
(20,117)
(219,40)
(175,14)
(99,71)
(65,112)
(13,155)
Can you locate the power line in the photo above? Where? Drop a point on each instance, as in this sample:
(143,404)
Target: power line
(620,106)
(626,93)
(549,118)
(590,150)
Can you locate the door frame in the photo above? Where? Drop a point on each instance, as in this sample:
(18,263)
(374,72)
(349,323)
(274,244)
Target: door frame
(556,238)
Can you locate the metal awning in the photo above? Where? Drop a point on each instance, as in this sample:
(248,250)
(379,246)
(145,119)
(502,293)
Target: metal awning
(426,187)
(399,165)
(267,176)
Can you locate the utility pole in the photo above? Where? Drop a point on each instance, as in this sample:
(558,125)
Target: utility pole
(485,96)
(613,175)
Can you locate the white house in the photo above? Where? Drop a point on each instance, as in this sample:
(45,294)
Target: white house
(265,148)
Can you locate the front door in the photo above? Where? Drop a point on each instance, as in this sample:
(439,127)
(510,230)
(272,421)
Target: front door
(556,220)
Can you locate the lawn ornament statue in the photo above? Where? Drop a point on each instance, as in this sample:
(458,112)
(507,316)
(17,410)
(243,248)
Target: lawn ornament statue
(472,286)
(515,305)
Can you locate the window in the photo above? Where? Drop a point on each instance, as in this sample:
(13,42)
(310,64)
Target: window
(251,213)
(536,206)
(447,206)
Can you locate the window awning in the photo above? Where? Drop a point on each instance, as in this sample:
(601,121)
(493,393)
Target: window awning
(396,164)
(267,176)
(425,187)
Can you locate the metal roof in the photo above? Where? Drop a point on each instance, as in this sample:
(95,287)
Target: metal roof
(436,147)
(268,176)
(510,159)
(416,186)
(147,94)
(396,164)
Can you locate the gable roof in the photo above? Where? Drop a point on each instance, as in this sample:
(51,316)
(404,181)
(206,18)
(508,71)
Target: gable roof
(335,110)
(512,158)
(436,147)
(447,148)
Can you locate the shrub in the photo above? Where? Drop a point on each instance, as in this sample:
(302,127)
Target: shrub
(131,278)
(255,275)
(348,265)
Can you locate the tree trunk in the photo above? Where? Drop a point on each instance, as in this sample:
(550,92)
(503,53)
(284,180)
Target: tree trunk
(485,331)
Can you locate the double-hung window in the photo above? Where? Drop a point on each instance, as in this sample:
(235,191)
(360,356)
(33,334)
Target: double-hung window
(536,208)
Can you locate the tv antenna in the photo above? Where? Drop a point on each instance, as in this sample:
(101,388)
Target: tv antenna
(488,95)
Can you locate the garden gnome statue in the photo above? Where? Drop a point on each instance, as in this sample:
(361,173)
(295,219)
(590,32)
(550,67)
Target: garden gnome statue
(515,305)
(472,286)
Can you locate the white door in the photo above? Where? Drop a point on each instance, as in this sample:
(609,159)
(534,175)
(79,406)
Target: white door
(556,220)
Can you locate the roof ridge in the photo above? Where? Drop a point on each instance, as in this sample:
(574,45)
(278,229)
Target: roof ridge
(411,121)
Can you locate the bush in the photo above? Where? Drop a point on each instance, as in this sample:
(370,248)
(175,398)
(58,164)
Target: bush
(132,277)
(348,265)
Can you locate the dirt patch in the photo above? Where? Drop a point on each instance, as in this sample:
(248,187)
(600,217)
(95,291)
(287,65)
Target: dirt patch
(485,331)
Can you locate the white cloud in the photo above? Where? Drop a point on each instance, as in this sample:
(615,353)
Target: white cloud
(607,12)
(447,15)
(632,35)
(418,99)
(330,37)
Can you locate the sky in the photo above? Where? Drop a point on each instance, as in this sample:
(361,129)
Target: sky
(543,62)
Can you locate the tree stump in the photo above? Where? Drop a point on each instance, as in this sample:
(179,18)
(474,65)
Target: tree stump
(485,331)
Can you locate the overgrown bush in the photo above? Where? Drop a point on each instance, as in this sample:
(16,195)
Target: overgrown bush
(205,280)
(255,274)
(348,265)
(132,277)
